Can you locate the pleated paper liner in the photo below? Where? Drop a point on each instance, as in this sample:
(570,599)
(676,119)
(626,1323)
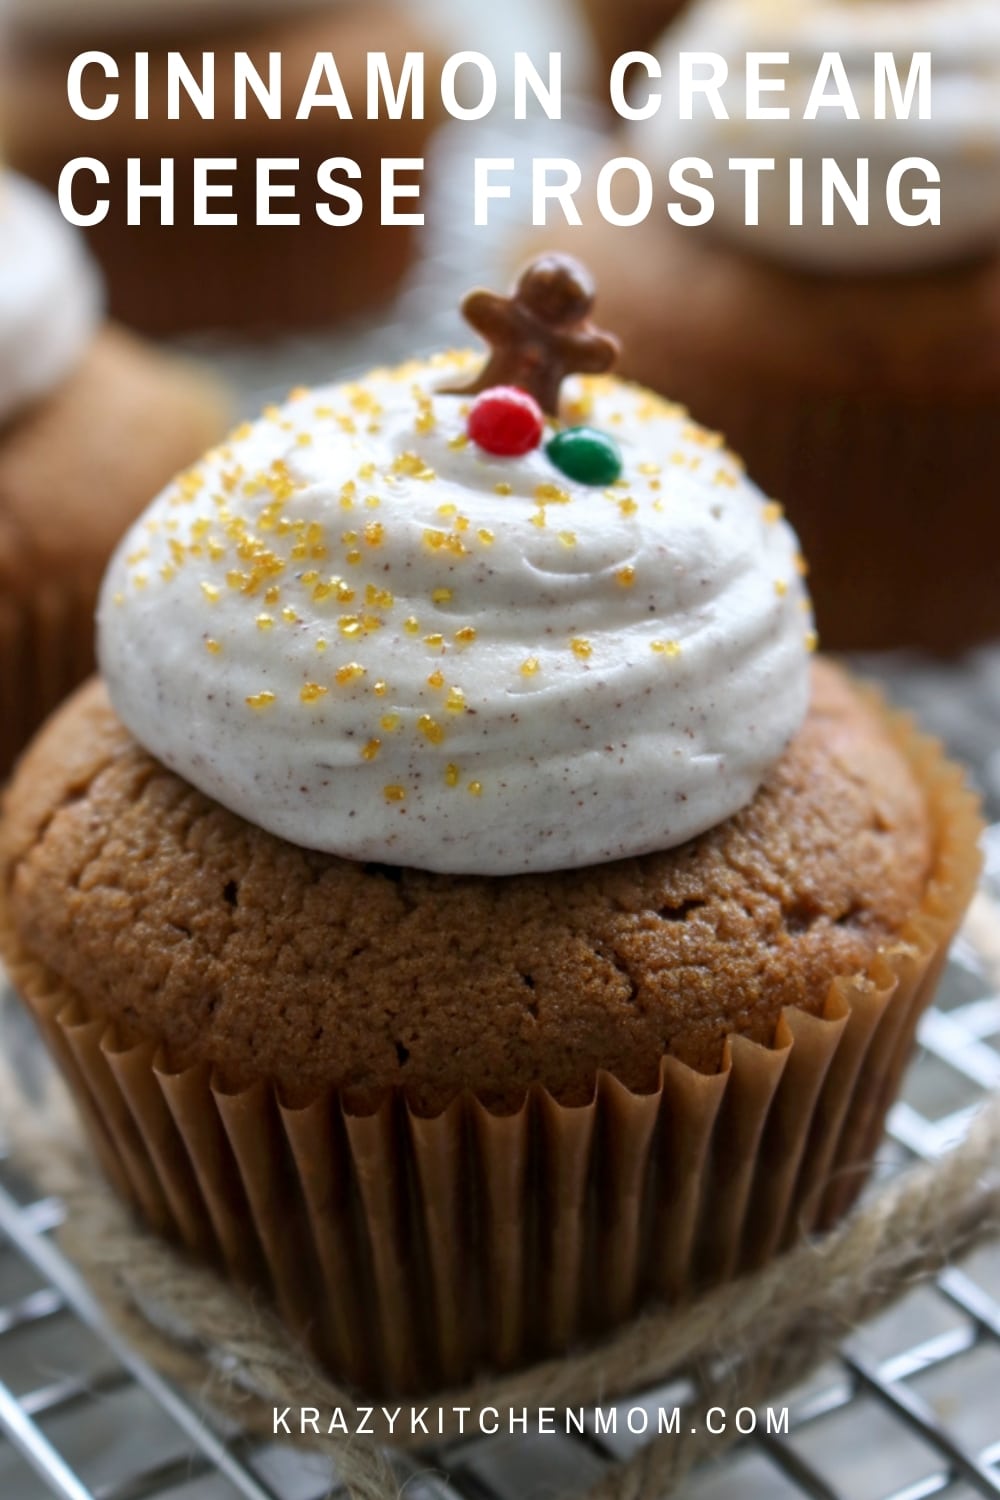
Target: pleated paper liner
(46,650)
(410,1252)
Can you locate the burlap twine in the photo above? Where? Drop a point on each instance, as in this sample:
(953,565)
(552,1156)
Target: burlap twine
(741,1344)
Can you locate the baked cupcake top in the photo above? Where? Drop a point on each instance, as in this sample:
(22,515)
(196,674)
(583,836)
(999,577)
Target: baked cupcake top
(50,295)
(961,138)
(365,632)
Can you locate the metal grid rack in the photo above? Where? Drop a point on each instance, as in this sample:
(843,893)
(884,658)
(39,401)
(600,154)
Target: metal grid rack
(909,1408)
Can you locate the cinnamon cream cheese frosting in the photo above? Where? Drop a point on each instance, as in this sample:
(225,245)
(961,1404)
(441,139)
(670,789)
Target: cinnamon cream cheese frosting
(50,296)
(961,138)
(365,634)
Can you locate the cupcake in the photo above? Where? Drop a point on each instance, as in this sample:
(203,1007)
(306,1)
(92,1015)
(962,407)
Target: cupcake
(179,277)
(92,424)
(464,909)
(625,26)
(856,368)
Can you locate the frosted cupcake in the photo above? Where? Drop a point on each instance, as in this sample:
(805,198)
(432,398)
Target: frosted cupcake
(91,424)
(856,368)
(175,278)
(475,916)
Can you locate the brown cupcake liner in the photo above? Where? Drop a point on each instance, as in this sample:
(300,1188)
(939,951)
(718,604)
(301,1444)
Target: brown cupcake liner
(409,1252)
(46,650)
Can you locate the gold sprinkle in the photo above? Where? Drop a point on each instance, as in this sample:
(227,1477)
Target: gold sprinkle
(436,679)
(412,466)
(801,566)
(208,589)
(551,494)
(411,625)
(441,596)
(460,440)
(350,672)
(430,729)
(321,645)
(649,468)
(264,622)
(390,722)
(530,667)
(451,775)
(475,788)
(568,538)
(772,512)
(394,793)
(212,646)
(780,587)
(581,647)
(486,536)
(666,648)
(374,533)
(380,688)
(812,640)
(503,488)
(312,691)
(628,506)
(466,635)
(289,614)
(370,750)
(455,701)
(447,511)
(434,640)
(625,577)
(354,556)
(261,700)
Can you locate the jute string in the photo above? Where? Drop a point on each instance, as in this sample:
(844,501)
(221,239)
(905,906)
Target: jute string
(741,1344)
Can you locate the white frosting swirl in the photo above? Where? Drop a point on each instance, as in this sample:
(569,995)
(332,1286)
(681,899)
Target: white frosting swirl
(962,137)
(50,295)
(366,635)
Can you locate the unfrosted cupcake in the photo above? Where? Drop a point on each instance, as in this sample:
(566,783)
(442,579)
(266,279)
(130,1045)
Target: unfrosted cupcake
(474,917)
(92,423)
(180,277)
(857,369)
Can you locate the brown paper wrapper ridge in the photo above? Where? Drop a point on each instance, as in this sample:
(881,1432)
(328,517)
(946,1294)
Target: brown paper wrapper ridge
(411,1252)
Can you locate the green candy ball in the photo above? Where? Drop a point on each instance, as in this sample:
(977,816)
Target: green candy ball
(586,455)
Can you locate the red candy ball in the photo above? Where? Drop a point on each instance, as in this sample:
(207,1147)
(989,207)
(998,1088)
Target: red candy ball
(506,421)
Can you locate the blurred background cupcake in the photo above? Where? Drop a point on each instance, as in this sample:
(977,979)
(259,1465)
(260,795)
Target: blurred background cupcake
(856,368)
(92,424)
(618,26)
(176,278)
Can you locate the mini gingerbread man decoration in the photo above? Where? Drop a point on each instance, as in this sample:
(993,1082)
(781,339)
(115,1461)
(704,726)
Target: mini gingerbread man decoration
(541,333)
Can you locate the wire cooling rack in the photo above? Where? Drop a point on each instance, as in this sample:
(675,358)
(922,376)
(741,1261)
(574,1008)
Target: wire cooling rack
(908,1409)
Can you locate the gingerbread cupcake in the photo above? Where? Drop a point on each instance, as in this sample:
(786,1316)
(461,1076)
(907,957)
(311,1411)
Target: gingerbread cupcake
(474,915)
(92,423)
(856,367)
(240,275)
